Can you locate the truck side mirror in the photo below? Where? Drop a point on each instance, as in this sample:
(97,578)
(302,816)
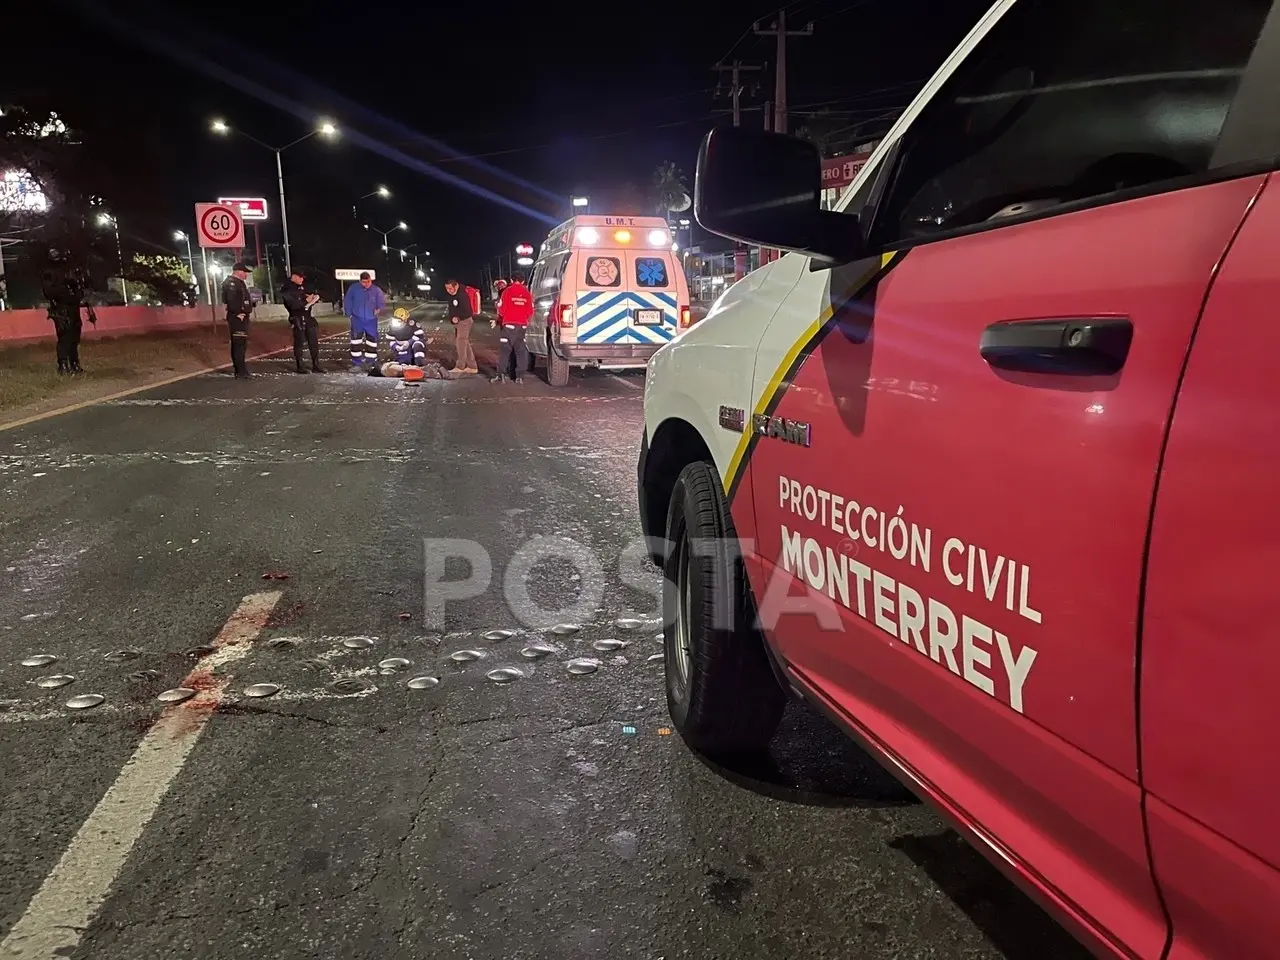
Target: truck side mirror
(765,188)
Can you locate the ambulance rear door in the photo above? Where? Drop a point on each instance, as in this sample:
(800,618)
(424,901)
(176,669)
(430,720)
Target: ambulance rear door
(655,296)
(626,298)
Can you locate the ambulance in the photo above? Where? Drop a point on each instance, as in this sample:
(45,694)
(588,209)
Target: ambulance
(608,292)
(986,466)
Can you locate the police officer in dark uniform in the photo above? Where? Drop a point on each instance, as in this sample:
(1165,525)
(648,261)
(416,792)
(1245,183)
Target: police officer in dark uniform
(64,289)
(299,303)
(235,294)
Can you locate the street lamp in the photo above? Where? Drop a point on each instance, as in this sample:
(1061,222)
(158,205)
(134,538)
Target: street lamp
(191,262)
(212,271)
(386,235)
(107,220)
(324,128)
(379,192)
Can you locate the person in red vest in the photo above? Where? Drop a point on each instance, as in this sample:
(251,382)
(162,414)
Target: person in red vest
(515,307)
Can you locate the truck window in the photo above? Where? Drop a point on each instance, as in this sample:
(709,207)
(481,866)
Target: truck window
(555,271)
(1070,100)
(546,276)
(603,272)
(652,272)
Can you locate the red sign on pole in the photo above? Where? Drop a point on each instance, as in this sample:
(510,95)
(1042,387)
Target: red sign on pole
(219,226)
(838,172)
(251,208)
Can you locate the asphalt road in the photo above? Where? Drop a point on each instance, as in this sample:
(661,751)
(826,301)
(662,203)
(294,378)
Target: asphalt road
(349,815)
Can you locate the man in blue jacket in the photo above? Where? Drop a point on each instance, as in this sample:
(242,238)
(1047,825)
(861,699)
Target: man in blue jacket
(363,303)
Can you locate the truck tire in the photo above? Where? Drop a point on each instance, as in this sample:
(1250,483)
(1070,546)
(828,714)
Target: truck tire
(721,690)
(557,367)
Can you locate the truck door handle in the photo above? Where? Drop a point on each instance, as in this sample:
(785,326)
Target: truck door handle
(1080,346)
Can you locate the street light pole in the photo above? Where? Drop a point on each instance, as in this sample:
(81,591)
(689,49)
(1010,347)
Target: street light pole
(325,128)
(379,192)
(191,262)
(386,239)
(106,218)
(124,287)
(284,213)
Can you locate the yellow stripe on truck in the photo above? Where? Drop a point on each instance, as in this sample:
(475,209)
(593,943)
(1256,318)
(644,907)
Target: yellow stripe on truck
(782,375)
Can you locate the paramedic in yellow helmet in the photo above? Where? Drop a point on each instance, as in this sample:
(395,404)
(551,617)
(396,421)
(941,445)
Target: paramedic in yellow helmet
(407,339)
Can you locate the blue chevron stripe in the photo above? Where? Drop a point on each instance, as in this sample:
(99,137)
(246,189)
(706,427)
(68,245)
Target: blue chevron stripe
(585,317)
(648,335)
(666,331)
(607,316)
(586,334)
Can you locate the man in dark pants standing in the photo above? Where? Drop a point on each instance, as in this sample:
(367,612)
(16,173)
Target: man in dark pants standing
(462,317)
(64,291)
(515,307)
(235,294)
(299,303)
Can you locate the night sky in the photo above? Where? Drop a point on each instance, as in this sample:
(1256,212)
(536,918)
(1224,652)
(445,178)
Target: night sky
(552,100)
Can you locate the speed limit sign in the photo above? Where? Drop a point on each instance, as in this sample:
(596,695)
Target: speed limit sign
(218,225)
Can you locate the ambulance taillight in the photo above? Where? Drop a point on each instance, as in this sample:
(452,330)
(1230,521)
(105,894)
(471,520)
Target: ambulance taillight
(686,318)
(565,318)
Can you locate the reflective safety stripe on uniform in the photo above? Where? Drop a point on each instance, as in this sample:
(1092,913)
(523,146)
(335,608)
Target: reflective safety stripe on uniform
(609,317)
(357,348)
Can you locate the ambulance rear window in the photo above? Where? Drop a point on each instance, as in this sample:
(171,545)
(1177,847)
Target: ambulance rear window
(652,272)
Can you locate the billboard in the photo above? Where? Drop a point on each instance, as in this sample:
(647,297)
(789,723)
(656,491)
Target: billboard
(251,208)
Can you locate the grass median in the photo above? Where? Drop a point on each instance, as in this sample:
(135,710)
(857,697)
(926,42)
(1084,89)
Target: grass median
(30,384)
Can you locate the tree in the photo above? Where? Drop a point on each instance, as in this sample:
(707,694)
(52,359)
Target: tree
(163,278)
(668,190)
(52,192)
(262,279)
(47,198)
(67,163)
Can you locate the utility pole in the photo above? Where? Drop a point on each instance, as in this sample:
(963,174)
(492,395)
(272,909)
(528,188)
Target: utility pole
(780,31)
(736,89)
(735,71)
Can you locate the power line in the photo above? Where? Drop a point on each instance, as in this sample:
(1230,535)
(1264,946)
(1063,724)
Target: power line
(877,93)
(845,9)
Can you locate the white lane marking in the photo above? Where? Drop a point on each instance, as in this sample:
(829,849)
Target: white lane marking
(72,894)
(630,383)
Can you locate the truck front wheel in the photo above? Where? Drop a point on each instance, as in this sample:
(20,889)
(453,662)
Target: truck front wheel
(721,690)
